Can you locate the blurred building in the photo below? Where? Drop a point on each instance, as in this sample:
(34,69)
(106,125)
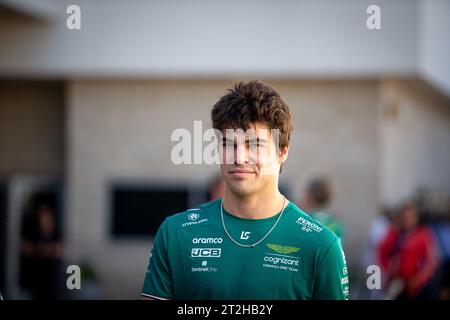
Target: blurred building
(88,114)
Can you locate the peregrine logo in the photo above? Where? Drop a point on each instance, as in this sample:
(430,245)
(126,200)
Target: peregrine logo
(193,216)
(193,219)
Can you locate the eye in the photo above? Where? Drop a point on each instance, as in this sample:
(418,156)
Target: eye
(227,144)
(256,144)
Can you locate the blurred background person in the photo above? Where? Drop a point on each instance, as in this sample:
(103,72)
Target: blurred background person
(408,255)
(316,203)
(441,229)
(377,232)
(41,250)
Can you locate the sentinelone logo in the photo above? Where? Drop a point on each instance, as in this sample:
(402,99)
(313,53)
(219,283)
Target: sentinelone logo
(204,268)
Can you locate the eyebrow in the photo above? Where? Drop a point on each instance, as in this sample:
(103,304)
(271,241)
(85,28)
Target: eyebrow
(260,140)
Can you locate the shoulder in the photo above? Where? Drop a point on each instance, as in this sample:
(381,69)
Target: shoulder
(307,224)
(425,232)
(193,217)
(309,230)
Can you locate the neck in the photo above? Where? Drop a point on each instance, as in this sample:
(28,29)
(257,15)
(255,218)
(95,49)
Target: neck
(254,206)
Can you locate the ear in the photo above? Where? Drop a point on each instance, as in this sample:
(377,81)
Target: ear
(284,154)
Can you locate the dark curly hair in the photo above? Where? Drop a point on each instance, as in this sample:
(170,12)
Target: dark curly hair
(249,102)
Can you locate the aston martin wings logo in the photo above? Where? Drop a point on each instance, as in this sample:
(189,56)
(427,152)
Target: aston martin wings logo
(282,249)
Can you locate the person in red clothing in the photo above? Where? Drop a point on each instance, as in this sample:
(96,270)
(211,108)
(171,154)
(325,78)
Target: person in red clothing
(408,255)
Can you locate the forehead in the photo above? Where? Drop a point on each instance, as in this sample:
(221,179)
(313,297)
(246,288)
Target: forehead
(257,129)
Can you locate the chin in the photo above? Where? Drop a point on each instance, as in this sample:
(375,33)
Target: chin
(241,189)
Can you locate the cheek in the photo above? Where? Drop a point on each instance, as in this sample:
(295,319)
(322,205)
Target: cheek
(265,158)
(226,155)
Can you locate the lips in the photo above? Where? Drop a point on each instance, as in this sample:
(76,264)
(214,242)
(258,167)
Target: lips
(241,173)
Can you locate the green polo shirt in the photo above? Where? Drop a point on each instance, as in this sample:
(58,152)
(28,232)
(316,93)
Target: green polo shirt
(193,258)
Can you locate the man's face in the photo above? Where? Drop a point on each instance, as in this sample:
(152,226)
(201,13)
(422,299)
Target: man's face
(408,218)
(251,159)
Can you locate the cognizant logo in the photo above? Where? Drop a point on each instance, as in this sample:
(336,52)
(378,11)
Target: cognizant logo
(207,240)
(277,260)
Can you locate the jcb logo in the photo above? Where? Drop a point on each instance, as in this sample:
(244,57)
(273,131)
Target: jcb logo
(206,252)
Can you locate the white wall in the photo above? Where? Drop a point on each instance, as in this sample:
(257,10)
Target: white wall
(31,128)
(213,38)
(415,139)
(434,43)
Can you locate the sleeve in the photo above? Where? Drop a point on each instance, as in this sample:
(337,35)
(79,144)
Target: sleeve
(331,280)
(158,279)
(386,248)
(428,264)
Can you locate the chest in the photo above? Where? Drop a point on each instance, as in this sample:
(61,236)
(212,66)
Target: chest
(217,268)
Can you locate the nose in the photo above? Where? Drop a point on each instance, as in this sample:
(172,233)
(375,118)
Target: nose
(241,154)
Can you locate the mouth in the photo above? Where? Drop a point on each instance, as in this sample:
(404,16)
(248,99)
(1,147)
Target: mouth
(241,173)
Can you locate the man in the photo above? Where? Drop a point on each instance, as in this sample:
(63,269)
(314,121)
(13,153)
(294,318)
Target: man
(42,251)
(317,200)
(253,243)
(408,255)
